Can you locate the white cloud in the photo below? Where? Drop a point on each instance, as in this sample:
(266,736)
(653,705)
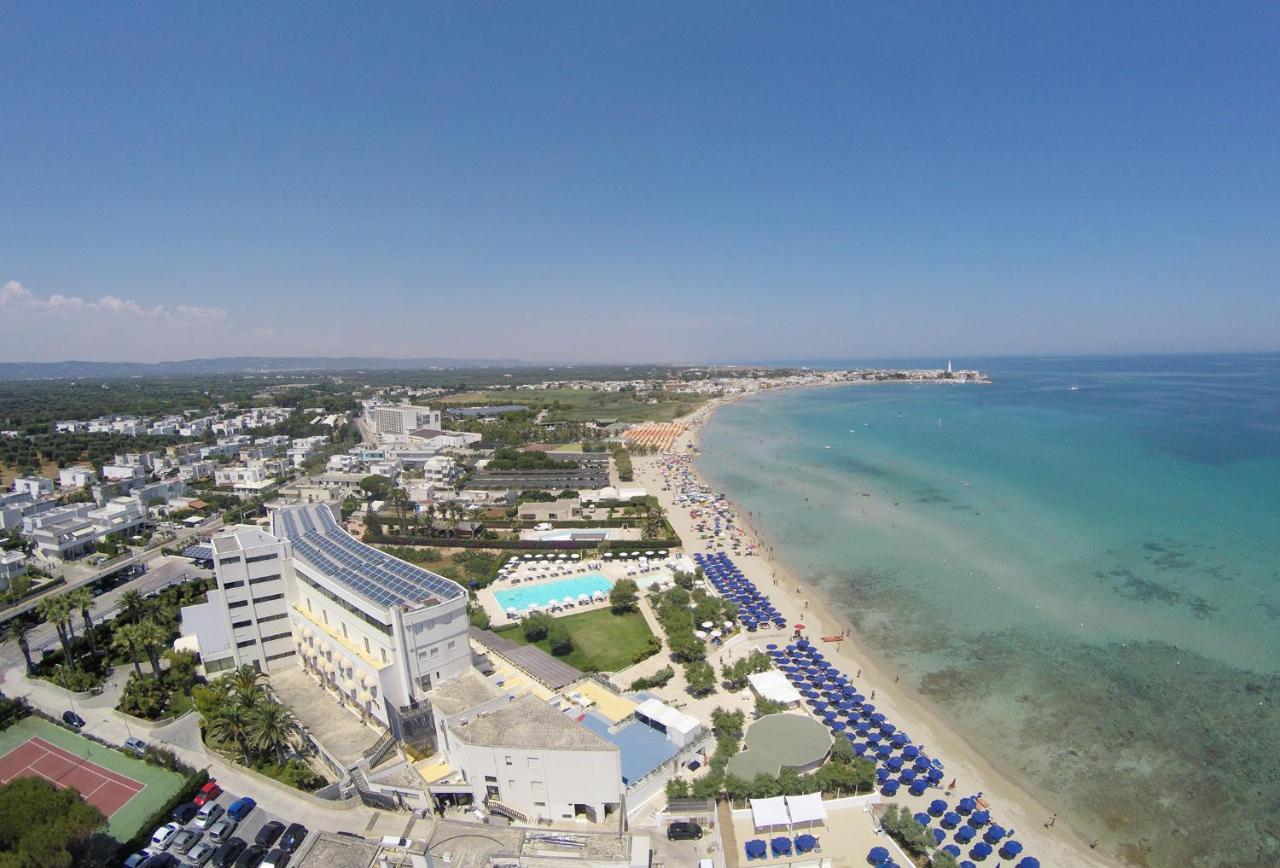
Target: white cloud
(16,299)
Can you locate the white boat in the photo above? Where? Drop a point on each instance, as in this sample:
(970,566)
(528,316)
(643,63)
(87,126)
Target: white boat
(1073,388)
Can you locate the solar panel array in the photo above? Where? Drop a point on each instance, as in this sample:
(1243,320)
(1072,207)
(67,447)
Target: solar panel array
(371,573)
(198,552)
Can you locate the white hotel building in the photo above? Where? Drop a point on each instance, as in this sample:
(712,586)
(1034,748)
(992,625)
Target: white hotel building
(380,631)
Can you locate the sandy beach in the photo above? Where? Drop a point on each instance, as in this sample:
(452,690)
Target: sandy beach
(1013,802)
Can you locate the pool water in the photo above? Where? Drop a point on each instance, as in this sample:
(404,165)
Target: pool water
(543,593)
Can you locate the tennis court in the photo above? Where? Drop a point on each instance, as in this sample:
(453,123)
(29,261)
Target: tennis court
(126,790)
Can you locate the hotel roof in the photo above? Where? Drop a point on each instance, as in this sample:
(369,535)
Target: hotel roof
(531,724)
(375,575)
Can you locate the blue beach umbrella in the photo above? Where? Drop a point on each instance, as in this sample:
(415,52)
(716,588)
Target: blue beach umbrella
(894,763)
(936,807)
(918,786)
(877,856)
(1029,862)
(980,818)
(981,850)
(938,836)
(966,805)
(934,776)
(994,834)
(907,776)
(1010,849)
(950,820)
(859,749)
(889,787)
(923,819)
(952,849)
(888,728)
(965,834)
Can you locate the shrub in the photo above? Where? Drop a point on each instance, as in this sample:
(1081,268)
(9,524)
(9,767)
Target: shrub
(536,626)
(624,596)
(657,679)
(559,640)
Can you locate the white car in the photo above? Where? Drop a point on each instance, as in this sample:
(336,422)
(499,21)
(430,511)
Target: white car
(208,814)
(164,836)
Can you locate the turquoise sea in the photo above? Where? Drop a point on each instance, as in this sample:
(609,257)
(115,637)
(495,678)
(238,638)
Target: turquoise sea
(1086,581)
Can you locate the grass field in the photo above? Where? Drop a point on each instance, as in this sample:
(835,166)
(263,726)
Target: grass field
(581,405)
(161,784)
(602,641)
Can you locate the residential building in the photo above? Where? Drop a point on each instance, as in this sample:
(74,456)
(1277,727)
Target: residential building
(562,509)
(77,476)
(12,565)
(34,486)
(75,530)
(244,479)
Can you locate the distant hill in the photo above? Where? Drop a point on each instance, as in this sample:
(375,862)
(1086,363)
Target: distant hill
(235,365)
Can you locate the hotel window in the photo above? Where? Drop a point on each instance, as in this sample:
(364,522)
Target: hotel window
(232,584)
(238,624)
(344,630)
(366,644)
(237,604)
(451,644)
(325,612)
(508,759)
(308,599)
(256,558)
(384,654)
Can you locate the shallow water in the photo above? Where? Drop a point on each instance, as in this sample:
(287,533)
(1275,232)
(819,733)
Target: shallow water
(1088,581)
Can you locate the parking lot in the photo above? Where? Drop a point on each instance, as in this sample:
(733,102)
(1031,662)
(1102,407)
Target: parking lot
(246,830)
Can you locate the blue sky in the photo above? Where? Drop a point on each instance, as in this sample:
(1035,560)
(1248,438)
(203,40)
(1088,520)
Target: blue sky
(639,182)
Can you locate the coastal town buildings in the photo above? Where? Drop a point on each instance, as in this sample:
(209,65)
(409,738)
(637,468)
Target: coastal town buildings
(399,418)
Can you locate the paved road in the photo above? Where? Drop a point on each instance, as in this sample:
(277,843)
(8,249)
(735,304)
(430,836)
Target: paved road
(145,556)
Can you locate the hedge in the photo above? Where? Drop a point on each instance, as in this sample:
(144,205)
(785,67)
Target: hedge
(163,815)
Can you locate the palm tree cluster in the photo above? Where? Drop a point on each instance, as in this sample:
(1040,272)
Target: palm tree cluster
(239,710)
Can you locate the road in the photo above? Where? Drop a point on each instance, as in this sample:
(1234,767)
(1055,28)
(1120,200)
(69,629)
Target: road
(165,570)
(144,556)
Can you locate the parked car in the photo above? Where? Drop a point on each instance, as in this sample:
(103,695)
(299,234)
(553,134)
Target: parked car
(201,853)
(293,837)
(227,852)
(136,859)
(161,838)
(185,812)
(161,860)
(681,831)
(220,831)
(136,745)
(240,808)
(209,815)
(251,857)
(70,718)
(208,793)
(277,858)
(185,840)
(269,832)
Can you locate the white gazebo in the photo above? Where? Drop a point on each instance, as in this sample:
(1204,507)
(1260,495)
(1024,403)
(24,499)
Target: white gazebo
(770,814)
(807,810)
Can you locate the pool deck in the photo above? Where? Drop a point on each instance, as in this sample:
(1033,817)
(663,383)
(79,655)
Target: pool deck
(536,572)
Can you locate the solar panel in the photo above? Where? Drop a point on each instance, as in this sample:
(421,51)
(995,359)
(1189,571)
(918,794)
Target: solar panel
(317,538)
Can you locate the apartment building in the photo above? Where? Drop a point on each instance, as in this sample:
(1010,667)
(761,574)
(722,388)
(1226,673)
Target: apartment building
(35,487)
(73,531)
(77,476)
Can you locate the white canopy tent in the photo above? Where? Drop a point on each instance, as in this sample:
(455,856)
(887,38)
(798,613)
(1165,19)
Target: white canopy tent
(679,727)
(807,809)
(769,814)
(774,685)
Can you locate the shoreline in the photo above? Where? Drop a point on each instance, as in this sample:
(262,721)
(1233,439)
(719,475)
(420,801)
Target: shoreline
(1015,802)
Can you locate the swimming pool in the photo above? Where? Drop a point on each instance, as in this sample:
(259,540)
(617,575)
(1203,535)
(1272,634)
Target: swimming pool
(544,592)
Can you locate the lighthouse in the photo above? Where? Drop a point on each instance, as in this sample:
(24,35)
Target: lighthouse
(948,367)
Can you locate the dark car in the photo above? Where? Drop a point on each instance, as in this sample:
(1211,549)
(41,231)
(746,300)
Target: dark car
(684,832)
(70,718)
(293,837)
(227,852)
(161,860)
(185,812)
(277,858)
(268,833)
(251,857)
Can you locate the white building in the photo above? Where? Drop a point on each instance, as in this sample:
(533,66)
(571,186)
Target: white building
(77,476)
(249,564)
(74,531)
(244,479)
(400,419)
(12,565)
(534,761)
(34,486)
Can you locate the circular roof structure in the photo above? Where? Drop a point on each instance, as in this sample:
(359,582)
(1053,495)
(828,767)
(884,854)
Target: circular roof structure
(781,740)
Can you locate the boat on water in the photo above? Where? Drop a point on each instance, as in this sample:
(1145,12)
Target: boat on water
(1073,388)
(826,447)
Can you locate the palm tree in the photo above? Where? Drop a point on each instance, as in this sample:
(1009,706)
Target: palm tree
(125,638)
(152,636)
(246,684)
(55,611)
(232,724)
(133,604)
(18,629)
(272,728)
(82,598)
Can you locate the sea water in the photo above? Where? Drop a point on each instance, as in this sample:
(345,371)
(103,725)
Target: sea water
(1085,580)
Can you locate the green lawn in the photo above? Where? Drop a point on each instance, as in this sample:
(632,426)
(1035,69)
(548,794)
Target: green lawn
(161,784)
(602,641)
(581,405)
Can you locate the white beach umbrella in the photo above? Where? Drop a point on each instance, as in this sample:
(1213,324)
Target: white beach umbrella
(707,625)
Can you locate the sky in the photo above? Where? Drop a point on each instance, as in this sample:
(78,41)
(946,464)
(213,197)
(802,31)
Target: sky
(648,182)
